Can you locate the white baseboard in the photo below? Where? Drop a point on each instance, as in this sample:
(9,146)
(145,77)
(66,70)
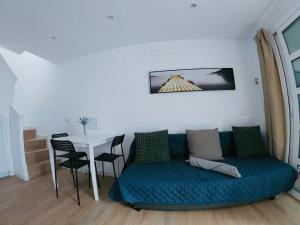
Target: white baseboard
(295,194)
(23,178)
(5,174)
(106,173)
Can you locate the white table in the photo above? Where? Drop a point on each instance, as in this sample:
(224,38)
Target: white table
(90,141)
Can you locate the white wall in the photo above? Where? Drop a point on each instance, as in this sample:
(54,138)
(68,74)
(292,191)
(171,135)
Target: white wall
(114,87)
(277,14)
(17,144)
(34,96)
(7,82)
(36,90)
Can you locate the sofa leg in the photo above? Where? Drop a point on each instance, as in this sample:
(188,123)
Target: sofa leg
(137,209)
(275,197)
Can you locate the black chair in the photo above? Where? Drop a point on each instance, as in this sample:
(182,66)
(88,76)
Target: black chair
(110,157)
(72,163)
(60,135)
(70,155)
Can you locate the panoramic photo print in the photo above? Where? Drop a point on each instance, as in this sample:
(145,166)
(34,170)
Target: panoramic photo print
(188,80)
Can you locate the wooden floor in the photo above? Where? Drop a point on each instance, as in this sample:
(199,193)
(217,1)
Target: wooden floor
(35,203)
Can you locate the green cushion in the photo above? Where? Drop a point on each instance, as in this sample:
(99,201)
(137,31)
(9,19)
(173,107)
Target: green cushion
(249,142)
(152,147)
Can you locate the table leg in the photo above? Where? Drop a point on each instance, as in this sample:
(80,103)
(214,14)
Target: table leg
(93,172)
(52,165)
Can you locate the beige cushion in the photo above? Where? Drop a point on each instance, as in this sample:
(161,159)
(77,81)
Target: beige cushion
(204,144)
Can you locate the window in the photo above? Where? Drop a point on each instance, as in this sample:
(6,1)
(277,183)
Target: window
(296,67)
(292,35)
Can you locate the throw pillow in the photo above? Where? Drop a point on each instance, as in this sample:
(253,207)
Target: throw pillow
(204,144)
(152,147)
(219,167)
(249,141)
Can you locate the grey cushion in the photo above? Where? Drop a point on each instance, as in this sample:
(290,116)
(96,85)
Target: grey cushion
(219,167)
(204,144)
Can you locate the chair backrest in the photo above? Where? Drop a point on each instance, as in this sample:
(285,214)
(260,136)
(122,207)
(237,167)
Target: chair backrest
(60,135)
(118,140)
(66,146)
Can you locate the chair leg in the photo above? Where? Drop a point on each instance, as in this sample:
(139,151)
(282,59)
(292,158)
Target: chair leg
(78,199)
(89,172)
(123,159)
(102,169)
(114,170)
(55,172)
(89,175)
(123,154)
(72,172)
(98,181)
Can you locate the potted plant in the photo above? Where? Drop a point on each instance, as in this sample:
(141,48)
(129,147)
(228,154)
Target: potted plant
(84,120)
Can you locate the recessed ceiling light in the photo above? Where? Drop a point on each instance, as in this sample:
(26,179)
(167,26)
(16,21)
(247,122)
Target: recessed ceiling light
(193,5)
(111,17)
(53,37)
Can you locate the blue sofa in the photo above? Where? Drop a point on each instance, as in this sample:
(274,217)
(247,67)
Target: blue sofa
(176,185)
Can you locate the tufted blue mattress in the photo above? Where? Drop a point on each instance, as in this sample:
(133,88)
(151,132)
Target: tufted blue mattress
(178,183)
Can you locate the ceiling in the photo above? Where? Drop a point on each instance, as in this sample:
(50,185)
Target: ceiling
(60,30)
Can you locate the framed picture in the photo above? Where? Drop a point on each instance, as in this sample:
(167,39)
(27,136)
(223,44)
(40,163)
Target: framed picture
(188,80)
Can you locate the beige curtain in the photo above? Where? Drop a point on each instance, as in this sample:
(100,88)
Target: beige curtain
(273,97)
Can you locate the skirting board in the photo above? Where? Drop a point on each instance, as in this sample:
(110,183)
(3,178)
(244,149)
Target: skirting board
(106,173)
(21,177)
(4,174)
(295,194)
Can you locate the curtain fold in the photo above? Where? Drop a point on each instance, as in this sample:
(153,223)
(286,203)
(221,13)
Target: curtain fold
(273,96)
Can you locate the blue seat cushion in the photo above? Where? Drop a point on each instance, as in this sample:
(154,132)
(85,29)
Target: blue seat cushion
(176,182)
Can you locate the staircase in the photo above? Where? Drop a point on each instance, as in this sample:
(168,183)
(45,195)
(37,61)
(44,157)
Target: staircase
(36,153)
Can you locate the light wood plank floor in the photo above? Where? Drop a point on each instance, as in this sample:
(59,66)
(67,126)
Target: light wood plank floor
(35,203)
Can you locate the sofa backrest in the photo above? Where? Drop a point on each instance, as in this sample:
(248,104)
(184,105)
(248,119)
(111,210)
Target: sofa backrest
(228,143)
(178,145)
